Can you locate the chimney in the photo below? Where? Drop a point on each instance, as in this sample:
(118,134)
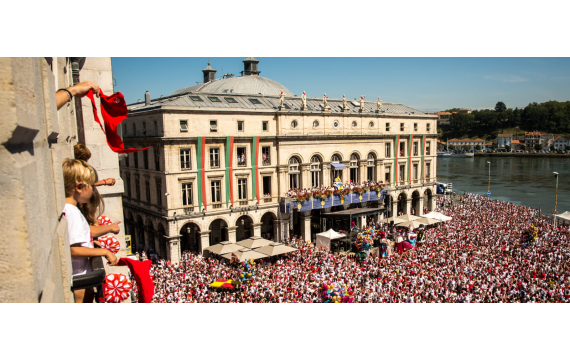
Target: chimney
(209,73)
(147,98)
(250,66)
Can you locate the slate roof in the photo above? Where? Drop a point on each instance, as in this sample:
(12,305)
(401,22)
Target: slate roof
(249,84)
(268,103)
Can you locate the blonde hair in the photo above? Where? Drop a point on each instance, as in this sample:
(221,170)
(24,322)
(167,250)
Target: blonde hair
(94,208)
(74,172)
(82,152)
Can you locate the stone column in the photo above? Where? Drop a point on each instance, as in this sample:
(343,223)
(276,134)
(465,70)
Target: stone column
(257,229)
(232,233)
(394,208)
(204,240)
(408,206)
(362,171)
(174,249)
(326,175)
(379,171)
(306,226)
(277,229)
(283,185)
(420,211)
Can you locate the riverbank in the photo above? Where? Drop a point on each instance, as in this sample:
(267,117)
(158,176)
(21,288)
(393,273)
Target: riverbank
(531,155)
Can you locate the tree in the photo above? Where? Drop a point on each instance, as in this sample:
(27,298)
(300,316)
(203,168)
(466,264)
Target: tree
(523,147)
(478,147)
(451,147)
(508,148)
(552,148)
(538,147)
(500,107)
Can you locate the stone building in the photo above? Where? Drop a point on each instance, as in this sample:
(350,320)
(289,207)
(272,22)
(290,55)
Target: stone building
(35,138)
(224,153)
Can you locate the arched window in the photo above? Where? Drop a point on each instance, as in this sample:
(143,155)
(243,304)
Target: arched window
(371,169)
(336,158)
(354,168)
(294,173)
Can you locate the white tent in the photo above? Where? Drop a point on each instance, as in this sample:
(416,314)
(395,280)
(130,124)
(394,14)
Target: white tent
(324,238)
(564,215)
(438,216)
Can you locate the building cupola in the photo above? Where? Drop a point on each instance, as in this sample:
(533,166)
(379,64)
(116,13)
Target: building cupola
(250,66)
(209,73)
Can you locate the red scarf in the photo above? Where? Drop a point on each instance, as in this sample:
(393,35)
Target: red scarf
(141,272)
(114,110)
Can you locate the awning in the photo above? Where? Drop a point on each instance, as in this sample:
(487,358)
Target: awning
(338,166)
(353,212)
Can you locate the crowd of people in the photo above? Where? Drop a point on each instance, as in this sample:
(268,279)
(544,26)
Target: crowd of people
(337,185)
(479,256)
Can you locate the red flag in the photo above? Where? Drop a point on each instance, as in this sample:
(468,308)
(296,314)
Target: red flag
(114,110)
(141,272)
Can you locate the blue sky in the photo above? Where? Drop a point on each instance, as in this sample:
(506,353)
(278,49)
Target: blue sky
(427,84)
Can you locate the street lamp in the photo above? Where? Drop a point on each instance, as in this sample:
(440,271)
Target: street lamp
(554,212)
(489,186)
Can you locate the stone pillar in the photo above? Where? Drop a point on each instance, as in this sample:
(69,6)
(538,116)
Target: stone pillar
(174,249)
(285,229)
(306,227)
(204,240)
(362,171)
(326,175)
(257,229)
(394,208)
(408,206)
(232,233)
(305,177)
(420,211)
(276,229)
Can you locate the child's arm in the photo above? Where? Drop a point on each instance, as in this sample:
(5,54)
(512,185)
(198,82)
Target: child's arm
(101,230)
(79,251)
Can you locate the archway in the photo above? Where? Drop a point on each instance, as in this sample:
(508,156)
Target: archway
(402,202)
(161,251)
(268,225)
(244,227)
(218,231)
(190,237)
(415,210)
(428,200)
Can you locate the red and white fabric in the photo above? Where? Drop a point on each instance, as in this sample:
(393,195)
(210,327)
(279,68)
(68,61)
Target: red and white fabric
(110,243)
(116,288)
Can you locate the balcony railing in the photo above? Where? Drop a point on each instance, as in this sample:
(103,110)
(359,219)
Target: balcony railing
(214,164)
(241,162)
(266,161)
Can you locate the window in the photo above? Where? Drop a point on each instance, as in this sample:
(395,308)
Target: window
(145,159)
(415,126)
(354,168)
(255,101)
(134,129)
(267,187)
(147,190)
(214,99)
(136,156)
(428,127)
(371,124)
(144,128)
(183,125)
(159,192)
(265,126)
(138,186)
(185,163)
(428,172)
(402,172)
(428,147)
(241,156)
(415,172)
(216,191)
(415,148)
(402,149)
(156,158)
(354,124)
(315,171)
(336,158)
(387,126)
(335,124)
(242,189)
(240,125)
(265,155)
(370,173)
(214,158)
(387,174)
(187,194)
(293,124)
(388,149)
(129,194)
(401,126)
(213,125)
(315,124)
(294,173)
(195,98)
(231,100)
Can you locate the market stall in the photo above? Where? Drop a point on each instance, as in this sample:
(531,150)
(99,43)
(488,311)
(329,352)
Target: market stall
(324,239)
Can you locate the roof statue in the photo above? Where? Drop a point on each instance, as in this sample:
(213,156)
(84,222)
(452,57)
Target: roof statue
(362,102)
(281,99)
(304,101)
(325,103)
(378,104)
(344,107)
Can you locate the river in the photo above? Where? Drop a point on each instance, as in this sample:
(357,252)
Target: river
(525,181)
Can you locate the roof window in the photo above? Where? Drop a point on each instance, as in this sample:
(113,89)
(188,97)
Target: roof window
(214,99)
(196,98)
(255,101)
(231,100)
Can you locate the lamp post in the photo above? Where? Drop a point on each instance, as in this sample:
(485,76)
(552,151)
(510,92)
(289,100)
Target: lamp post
(554,212)
(489,186)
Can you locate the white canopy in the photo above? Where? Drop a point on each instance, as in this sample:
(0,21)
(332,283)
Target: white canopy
(324,238)
(564,215)
(438,216)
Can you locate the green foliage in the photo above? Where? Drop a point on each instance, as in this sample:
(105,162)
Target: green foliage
(537,147)
(567,147)
(478,147)
(500,107)
(523,147)
(452,110)
(451,147)
(552,148)
(508,148)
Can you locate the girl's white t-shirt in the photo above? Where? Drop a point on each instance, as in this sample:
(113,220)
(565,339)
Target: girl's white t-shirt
(79,233)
